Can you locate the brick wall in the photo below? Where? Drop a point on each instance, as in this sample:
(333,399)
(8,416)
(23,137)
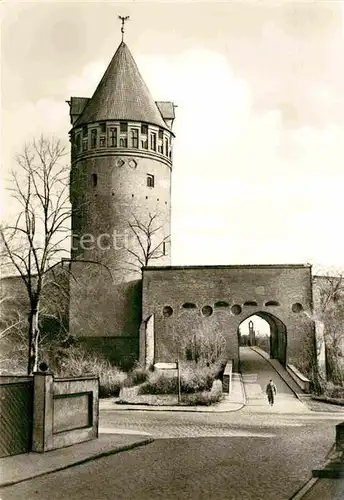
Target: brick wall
(205,286)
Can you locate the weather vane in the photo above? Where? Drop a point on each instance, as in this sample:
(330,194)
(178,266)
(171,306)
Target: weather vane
(123,19)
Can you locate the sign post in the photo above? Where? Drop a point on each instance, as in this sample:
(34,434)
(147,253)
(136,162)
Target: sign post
(178,375)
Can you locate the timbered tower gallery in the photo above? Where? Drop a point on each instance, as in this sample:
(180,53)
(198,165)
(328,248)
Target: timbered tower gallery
(120,191)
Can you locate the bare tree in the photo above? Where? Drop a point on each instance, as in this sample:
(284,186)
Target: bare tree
(147,244)
(35,241)
(329,309)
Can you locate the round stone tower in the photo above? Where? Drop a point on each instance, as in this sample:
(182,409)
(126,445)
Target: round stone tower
(120,192)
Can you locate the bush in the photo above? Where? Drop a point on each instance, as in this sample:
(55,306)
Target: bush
(334,391)
(137,376)
(204,398)
(159,384)
(78,362)
(194,378)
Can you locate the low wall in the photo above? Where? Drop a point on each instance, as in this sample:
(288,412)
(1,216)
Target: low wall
(302,381)
(66,411)
(227,377)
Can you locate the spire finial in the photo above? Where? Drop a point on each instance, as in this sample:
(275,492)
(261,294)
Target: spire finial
(123,19)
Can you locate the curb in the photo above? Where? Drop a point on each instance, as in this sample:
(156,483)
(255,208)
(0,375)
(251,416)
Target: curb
(96,456)
(328,401)
(304,489)
(243,392)
(185,409)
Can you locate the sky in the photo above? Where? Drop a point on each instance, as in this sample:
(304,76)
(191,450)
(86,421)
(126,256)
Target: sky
(258,171)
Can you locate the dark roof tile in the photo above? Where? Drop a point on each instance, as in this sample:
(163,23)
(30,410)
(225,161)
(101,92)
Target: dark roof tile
(122,94)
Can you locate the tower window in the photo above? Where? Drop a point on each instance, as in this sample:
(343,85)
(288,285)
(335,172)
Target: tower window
(113,137)
(166,147)
(102,142)
(150,180)
(93,138)
(94,180)
(84,145)
(161,134)
(78,143)
(144,144)
(123,127)
(160,148)
(144,129)
(134,138)
(84,130)
(153,141)
(189,305)
(123,142)
(103,127)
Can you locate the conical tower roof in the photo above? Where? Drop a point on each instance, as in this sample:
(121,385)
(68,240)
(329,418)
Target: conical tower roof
(122,94)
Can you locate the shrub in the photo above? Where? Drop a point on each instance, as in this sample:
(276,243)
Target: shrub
(159,384)
(78,362)
(205,345)
(194,378)
(138,376)
(204,398)
(334,391)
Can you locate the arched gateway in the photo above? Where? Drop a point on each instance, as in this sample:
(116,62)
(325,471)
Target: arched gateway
(222,297)
(278,336)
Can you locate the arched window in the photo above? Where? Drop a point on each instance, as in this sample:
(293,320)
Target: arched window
(150,180)
(94,180)
(221,303)
(189,305)
(123,142)
(272,303)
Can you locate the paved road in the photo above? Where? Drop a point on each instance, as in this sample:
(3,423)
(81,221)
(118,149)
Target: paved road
(257,372)
(240,461)
(251,454)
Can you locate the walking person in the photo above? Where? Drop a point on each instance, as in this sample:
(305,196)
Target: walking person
(271,392)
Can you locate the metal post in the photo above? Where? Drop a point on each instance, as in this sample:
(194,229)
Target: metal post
(179,391)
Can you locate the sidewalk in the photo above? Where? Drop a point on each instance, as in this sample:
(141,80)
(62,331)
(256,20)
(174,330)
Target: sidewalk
(18,468)
(258,369)
(233,402)
(282,373)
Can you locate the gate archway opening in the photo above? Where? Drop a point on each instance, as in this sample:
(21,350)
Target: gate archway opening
(266,331)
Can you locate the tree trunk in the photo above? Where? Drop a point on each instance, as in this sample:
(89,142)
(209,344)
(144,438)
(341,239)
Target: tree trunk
(33,342)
